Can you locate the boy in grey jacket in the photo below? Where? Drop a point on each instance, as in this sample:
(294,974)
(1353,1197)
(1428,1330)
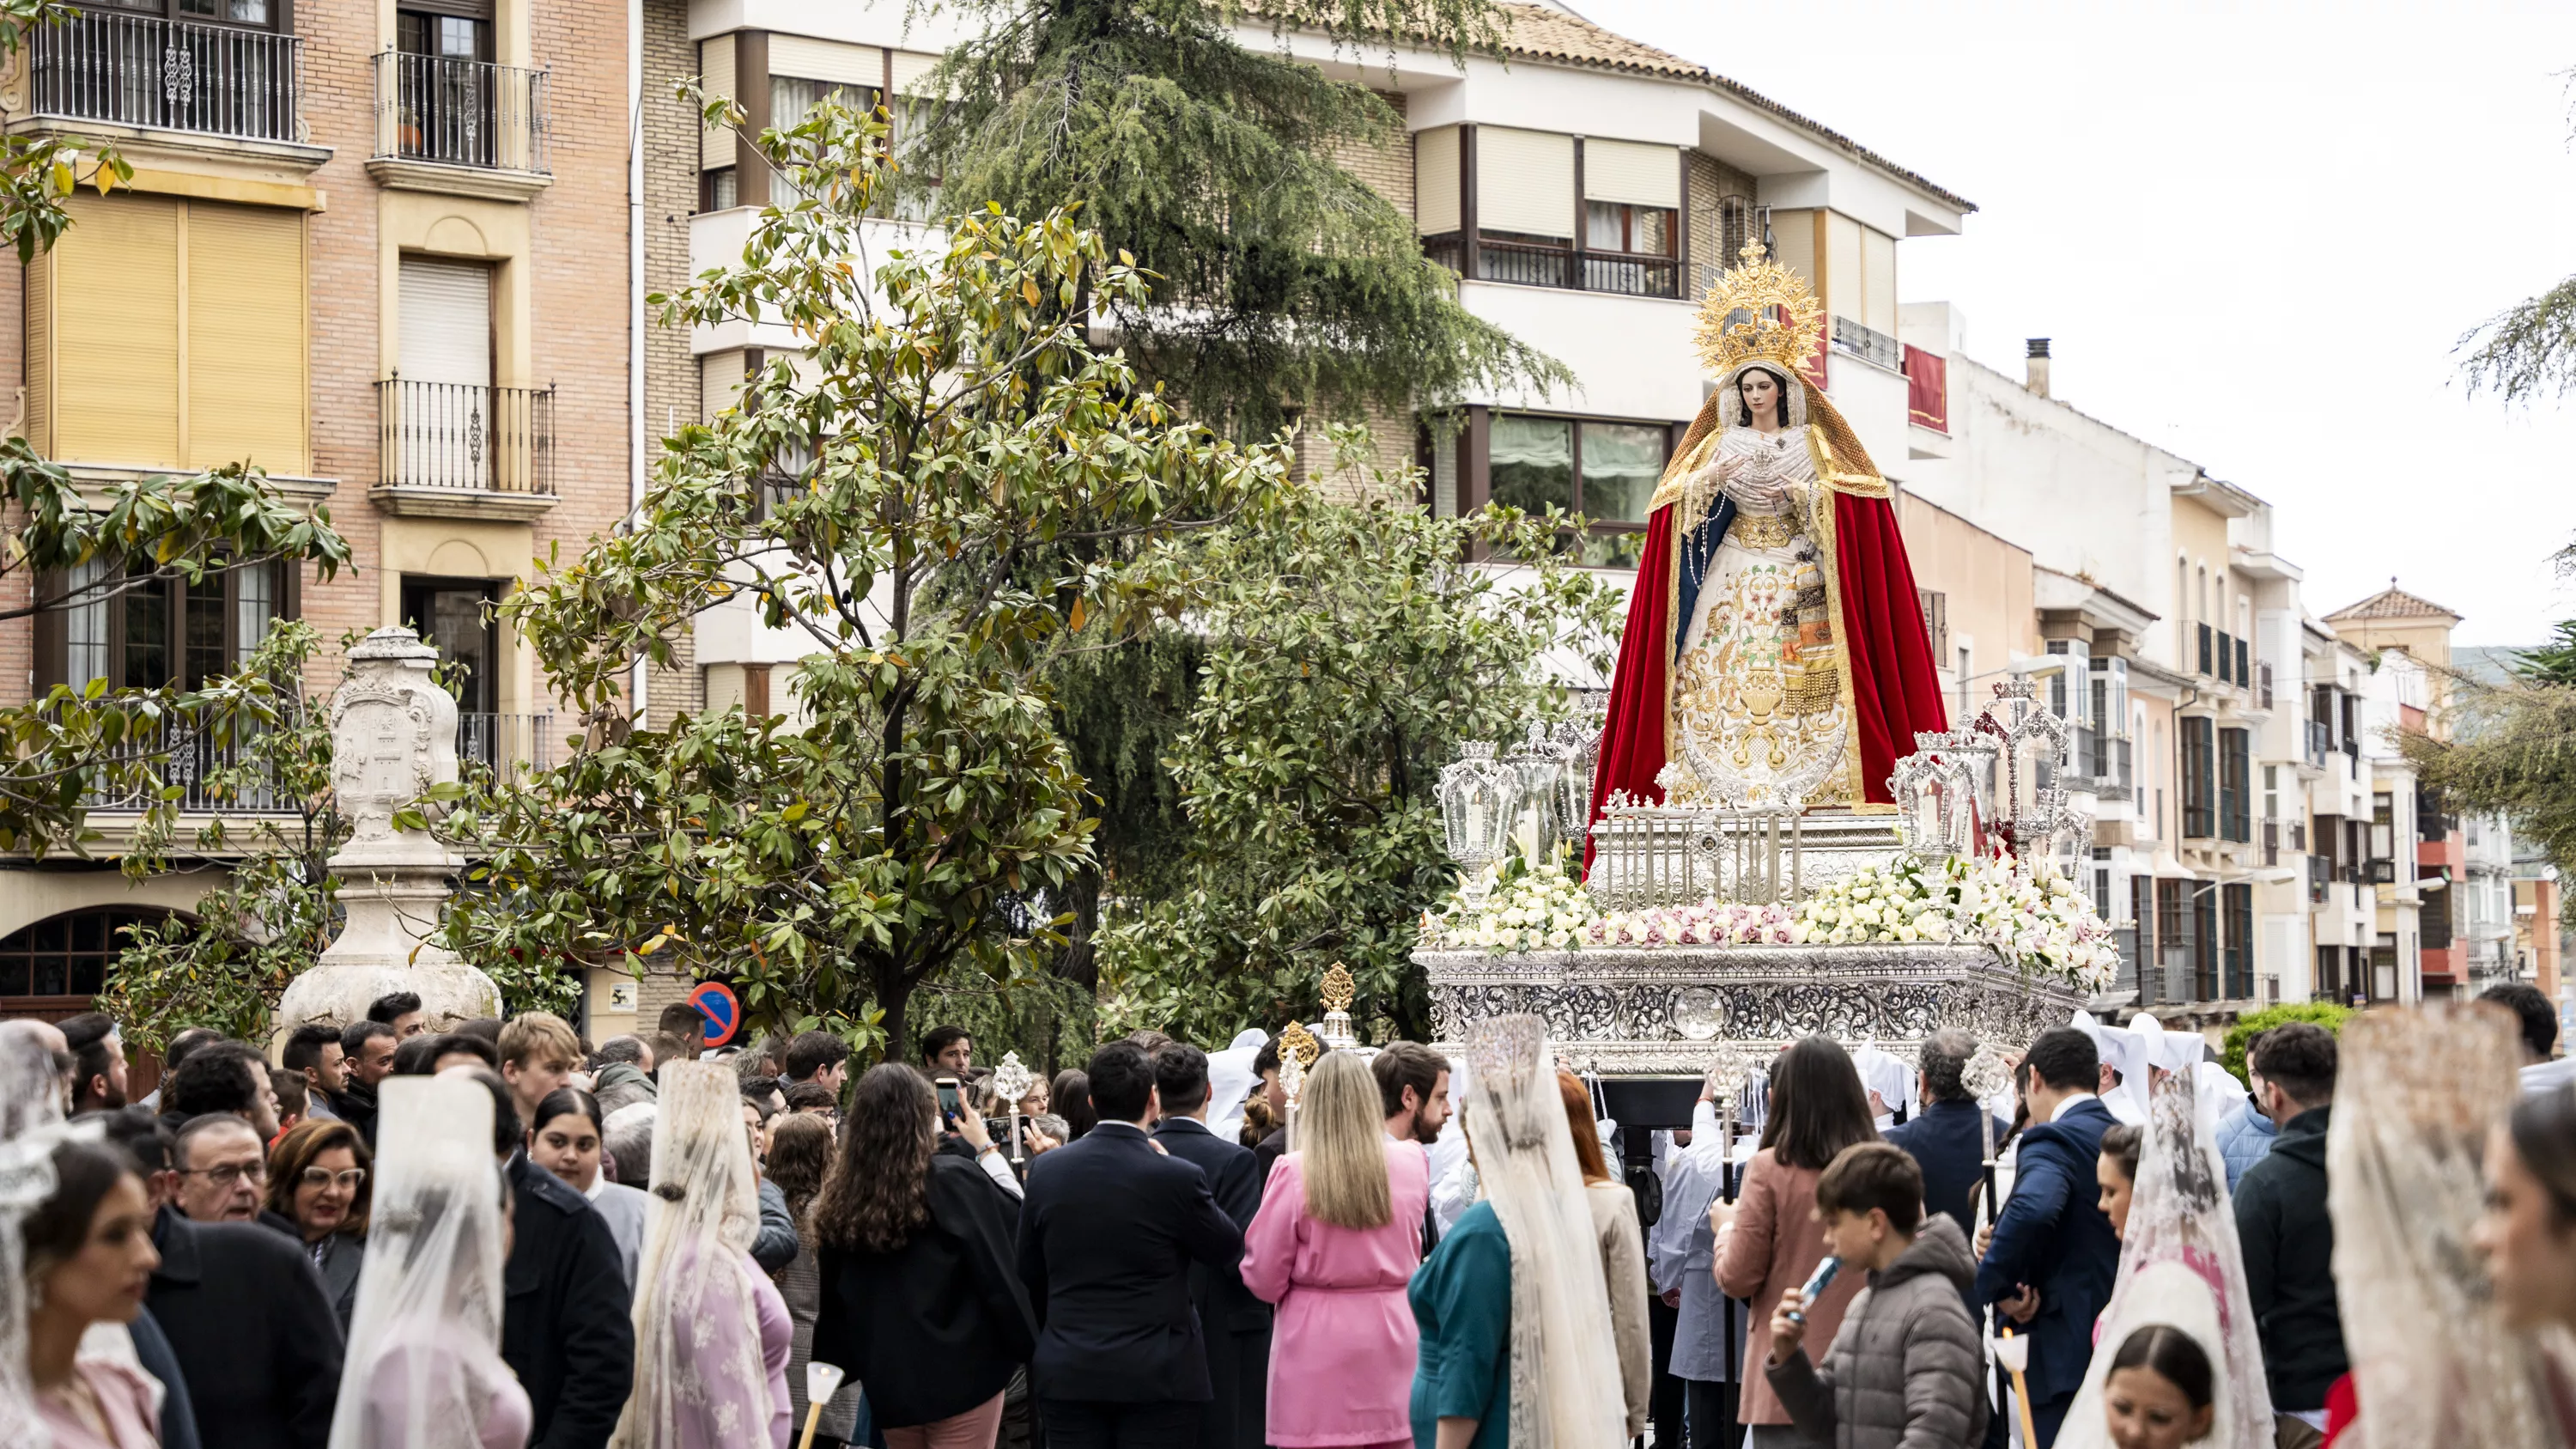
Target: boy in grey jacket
(1906,1371)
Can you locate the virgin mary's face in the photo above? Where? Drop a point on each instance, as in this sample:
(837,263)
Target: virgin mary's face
(1761,395)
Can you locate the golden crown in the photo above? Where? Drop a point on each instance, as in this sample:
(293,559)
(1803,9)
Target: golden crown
(1759,311)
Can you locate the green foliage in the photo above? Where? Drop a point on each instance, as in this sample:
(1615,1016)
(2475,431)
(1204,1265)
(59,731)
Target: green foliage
(2527,352)
(2315,1013)
(1347,651)
(2512,751)
(947,492)
(2553,663)
(1052,1023)
(1280,281)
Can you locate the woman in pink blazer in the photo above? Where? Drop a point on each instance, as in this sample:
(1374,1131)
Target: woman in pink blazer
(1337,1239)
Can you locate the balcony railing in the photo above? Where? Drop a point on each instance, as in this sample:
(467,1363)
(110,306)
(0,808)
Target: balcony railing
(505,744)
(465,436)
(140,71)
(1536,264)
(2319,742)
(460,112)
(1868,344)
(186,758)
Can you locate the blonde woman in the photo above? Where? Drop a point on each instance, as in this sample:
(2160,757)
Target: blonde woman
(1335,1242)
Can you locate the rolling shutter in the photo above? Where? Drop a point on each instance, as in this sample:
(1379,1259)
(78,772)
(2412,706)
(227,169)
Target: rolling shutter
(1524,182)
(1435,181)
(912,73)
(446,326)
(716,74)
(245,334)
(116,331)
(1632,172)
(826,60)
(719,382)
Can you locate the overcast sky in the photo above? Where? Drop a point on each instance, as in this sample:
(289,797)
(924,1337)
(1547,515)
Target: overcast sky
(2254,232)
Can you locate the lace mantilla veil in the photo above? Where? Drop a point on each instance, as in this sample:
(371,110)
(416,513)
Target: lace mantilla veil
(699,1377)
(2432,1361)
(1565,1381)
(30,1126)
(2181,1265)
(424,1358)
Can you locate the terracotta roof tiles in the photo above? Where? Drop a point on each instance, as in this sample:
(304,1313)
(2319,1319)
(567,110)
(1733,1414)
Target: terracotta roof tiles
(2392,603)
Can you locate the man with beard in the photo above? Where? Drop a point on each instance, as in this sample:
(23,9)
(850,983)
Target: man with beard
(1413,1085)
(98,1051)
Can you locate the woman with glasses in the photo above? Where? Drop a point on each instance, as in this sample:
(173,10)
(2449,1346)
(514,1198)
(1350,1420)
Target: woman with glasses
(317,1179)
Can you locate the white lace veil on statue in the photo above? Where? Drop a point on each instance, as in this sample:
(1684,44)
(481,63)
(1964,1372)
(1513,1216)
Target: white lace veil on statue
(1565,1386)
(2181,1265)
(2432,1361)
(699,1376)
(424,1357)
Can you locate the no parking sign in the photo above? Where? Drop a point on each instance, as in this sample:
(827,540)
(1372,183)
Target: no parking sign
(715,1001)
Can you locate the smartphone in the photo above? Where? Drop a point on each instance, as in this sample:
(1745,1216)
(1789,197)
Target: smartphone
(947,1099)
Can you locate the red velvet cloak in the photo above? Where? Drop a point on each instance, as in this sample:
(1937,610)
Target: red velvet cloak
(1896,689)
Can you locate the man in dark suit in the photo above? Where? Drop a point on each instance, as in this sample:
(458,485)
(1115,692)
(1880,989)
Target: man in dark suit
(567,1326)
(253,1333)
(1943,1139)
(2054,1255)
(1235,1324)
(1107,1235)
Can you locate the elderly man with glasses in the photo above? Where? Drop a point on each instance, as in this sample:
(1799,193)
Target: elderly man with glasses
(223,1170)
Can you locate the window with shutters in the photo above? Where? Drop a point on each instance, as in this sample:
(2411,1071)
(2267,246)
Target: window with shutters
(2237,900)
(2235,813)
(2199,777)
(164,332)
(1539,209)
(446,423)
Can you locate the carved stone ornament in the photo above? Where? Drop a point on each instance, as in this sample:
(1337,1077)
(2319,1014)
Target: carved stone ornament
(1656,1011)
(393,735)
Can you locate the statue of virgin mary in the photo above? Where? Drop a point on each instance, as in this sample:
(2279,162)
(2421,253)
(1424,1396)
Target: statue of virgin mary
(1775,654)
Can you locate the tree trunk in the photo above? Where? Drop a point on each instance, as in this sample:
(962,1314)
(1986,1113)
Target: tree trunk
(1079,962)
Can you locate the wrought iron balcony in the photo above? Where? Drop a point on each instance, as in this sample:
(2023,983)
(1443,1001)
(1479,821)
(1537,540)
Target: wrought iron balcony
(506,744)
(461,113)
(133,70)
(1868,344)
(185,758)
(1526,263)
(466,437)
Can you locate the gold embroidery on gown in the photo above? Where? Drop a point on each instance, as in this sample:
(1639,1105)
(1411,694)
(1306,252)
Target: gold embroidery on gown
(1758,713)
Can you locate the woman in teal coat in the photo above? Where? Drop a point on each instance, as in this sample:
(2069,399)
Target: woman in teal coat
(1524,1255)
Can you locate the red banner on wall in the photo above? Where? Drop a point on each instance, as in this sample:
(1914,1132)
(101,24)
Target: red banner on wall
(1927,389)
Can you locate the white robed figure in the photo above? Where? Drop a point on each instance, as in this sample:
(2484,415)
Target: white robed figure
(2181,1267)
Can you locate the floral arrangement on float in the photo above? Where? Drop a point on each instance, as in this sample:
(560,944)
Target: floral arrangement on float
(2028,913)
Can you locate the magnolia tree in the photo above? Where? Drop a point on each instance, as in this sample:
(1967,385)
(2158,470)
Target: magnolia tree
(1344,652)
(946,491)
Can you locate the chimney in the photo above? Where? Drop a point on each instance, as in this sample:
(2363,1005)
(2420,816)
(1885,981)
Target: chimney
(2038,366)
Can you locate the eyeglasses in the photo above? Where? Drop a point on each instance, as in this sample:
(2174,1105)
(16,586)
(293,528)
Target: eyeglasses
(230,1172)
(348,1179)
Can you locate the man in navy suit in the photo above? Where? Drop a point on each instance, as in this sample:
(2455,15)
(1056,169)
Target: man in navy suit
(2054,1255)
(1235,1324)
(1108,1232)
(1944,1139)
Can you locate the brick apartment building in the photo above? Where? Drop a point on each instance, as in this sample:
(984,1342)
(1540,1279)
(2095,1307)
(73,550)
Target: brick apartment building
(383,253)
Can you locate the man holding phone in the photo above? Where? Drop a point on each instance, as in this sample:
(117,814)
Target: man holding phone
(963,1132)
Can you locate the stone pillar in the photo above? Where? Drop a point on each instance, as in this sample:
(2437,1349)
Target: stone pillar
(393,735)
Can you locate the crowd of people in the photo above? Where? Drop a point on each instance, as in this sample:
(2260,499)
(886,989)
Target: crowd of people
(501,1235)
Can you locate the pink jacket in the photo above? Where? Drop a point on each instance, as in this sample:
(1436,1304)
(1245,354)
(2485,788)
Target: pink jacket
(1777,1244)
(1342,1348)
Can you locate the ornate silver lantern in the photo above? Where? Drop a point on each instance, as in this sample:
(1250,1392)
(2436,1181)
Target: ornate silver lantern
(1936,794)
(2029,811)
(1476,798)
(1537,768)
(1578,746)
